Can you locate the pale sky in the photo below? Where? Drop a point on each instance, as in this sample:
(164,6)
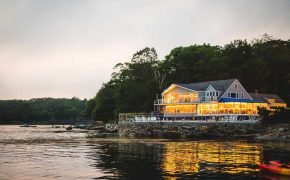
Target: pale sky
(67,48)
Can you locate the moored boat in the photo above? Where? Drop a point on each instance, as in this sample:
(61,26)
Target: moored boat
(69,128)
(26,125)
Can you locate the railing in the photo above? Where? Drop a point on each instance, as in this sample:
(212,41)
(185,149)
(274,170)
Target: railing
(214,118)
(162,101)
(135,117)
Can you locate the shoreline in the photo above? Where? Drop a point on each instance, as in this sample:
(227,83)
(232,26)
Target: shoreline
(210,131)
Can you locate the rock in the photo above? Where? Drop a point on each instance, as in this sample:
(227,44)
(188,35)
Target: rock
(282,129)
(285,137)
(265,137)
(186,127)
(171,134)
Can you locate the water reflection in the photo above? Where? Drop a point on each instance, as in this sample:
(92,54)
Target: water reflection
(170,160)
(211,157)
(42,153)
(130,160)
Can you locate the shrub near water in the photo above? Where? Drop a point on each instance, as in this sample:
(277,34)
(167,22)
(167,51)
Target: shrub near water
(275,115)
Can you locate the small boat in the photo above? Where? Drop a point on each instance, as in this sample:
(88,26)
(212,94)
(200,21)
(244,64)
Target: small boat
(277,163)
(26,125)
(69,128)
(275,169)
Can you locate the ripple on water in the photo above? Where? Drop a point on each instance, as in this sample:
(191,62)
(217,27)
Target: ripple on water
(43,153)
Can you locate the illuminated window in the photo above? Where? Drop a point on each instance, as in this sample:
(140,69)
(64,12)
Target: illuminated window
(271,101)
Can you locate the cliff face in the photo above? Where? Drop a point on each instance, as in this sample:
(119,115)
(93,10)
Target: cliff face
(210,130)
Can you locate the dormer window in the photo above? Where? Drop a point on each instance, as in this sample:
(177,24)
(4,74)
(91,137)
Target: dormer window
(271,101)
(236,86)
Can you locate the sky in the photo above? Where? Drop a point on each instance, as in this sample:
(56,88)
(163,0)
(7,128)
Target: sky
(68,48)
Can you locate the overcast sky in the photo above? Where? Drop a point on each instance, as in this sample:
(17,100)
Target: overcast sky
(67,48)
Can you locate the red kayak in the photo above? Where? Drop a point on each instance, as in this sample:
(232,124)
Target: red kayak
(277,163)
(275,169)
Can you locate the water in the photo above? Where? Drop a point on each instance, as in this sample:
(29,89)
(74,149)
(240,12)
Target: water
(47,153)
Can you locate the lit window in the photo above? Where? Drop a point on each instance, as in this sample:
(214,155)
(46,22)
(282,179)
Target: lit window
(271,101)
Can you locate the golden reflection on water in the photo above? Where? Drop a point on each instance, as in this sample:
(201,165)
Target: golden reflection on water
(222,157)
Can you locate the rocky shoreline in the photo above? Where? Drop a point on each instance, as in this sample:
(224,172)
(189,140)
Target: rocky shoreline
(254,131)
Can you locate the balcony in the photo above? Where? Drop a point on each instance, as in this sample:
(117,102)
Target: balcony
(181,101)
(185,101)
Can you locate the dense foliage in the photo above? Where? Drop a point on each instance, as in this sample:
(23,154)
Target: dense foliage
(262,64)
(275,115)
(41,110)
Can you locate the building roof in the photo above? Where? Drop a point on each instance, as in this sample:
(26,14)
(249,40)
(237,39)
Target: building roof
(264,97)
(220,85)
(240,100)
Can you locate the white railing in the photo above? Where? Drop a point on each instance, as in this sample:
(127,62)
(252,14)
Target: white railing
(149,117)
(162,101)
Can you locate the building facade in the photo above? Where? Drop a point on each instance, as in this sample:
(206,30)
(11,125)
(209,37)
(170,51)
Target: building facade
(214,100)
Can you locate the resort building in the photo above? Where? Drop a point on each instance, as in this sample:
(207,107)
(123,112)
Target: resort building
(218,100)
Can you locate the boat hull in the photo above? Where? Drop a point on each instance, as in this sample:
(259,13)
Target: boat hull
(275,169)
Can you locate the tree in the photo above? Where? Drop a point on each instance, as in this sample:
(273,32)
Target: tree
(260,65)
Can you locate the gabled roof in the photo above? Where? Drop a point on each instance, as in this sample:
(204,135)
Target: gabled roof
(220,85)
(264,97)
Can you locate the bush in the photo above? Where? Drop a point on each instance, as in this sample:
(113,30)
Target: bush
(275,115)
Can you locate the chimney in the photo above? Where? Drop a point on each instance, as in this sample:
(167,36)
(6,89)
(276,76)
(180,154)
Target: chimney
(256,91)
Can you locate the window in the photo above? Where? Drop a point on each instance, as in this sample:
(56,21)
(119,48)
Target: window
(207,94)
(271,101)
(210,93)
(217,93)
(236,86)
(242,95)
(233,95)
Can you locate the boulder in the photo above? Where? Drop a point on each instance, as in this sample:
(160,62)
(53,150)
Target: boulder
(282,129)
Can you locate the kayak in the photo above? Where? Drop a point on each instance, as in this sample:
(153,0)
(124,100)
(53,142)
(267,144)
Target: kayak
(277,163)
(275,169)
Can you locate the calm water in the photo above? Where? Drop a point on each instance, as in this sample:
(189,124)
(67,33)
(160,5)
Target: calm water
(47,153)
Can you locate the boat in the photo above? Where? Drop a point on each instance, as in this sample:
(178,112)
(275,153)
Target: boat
(69,128)
(275,169)
(277,163)
(26,125)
